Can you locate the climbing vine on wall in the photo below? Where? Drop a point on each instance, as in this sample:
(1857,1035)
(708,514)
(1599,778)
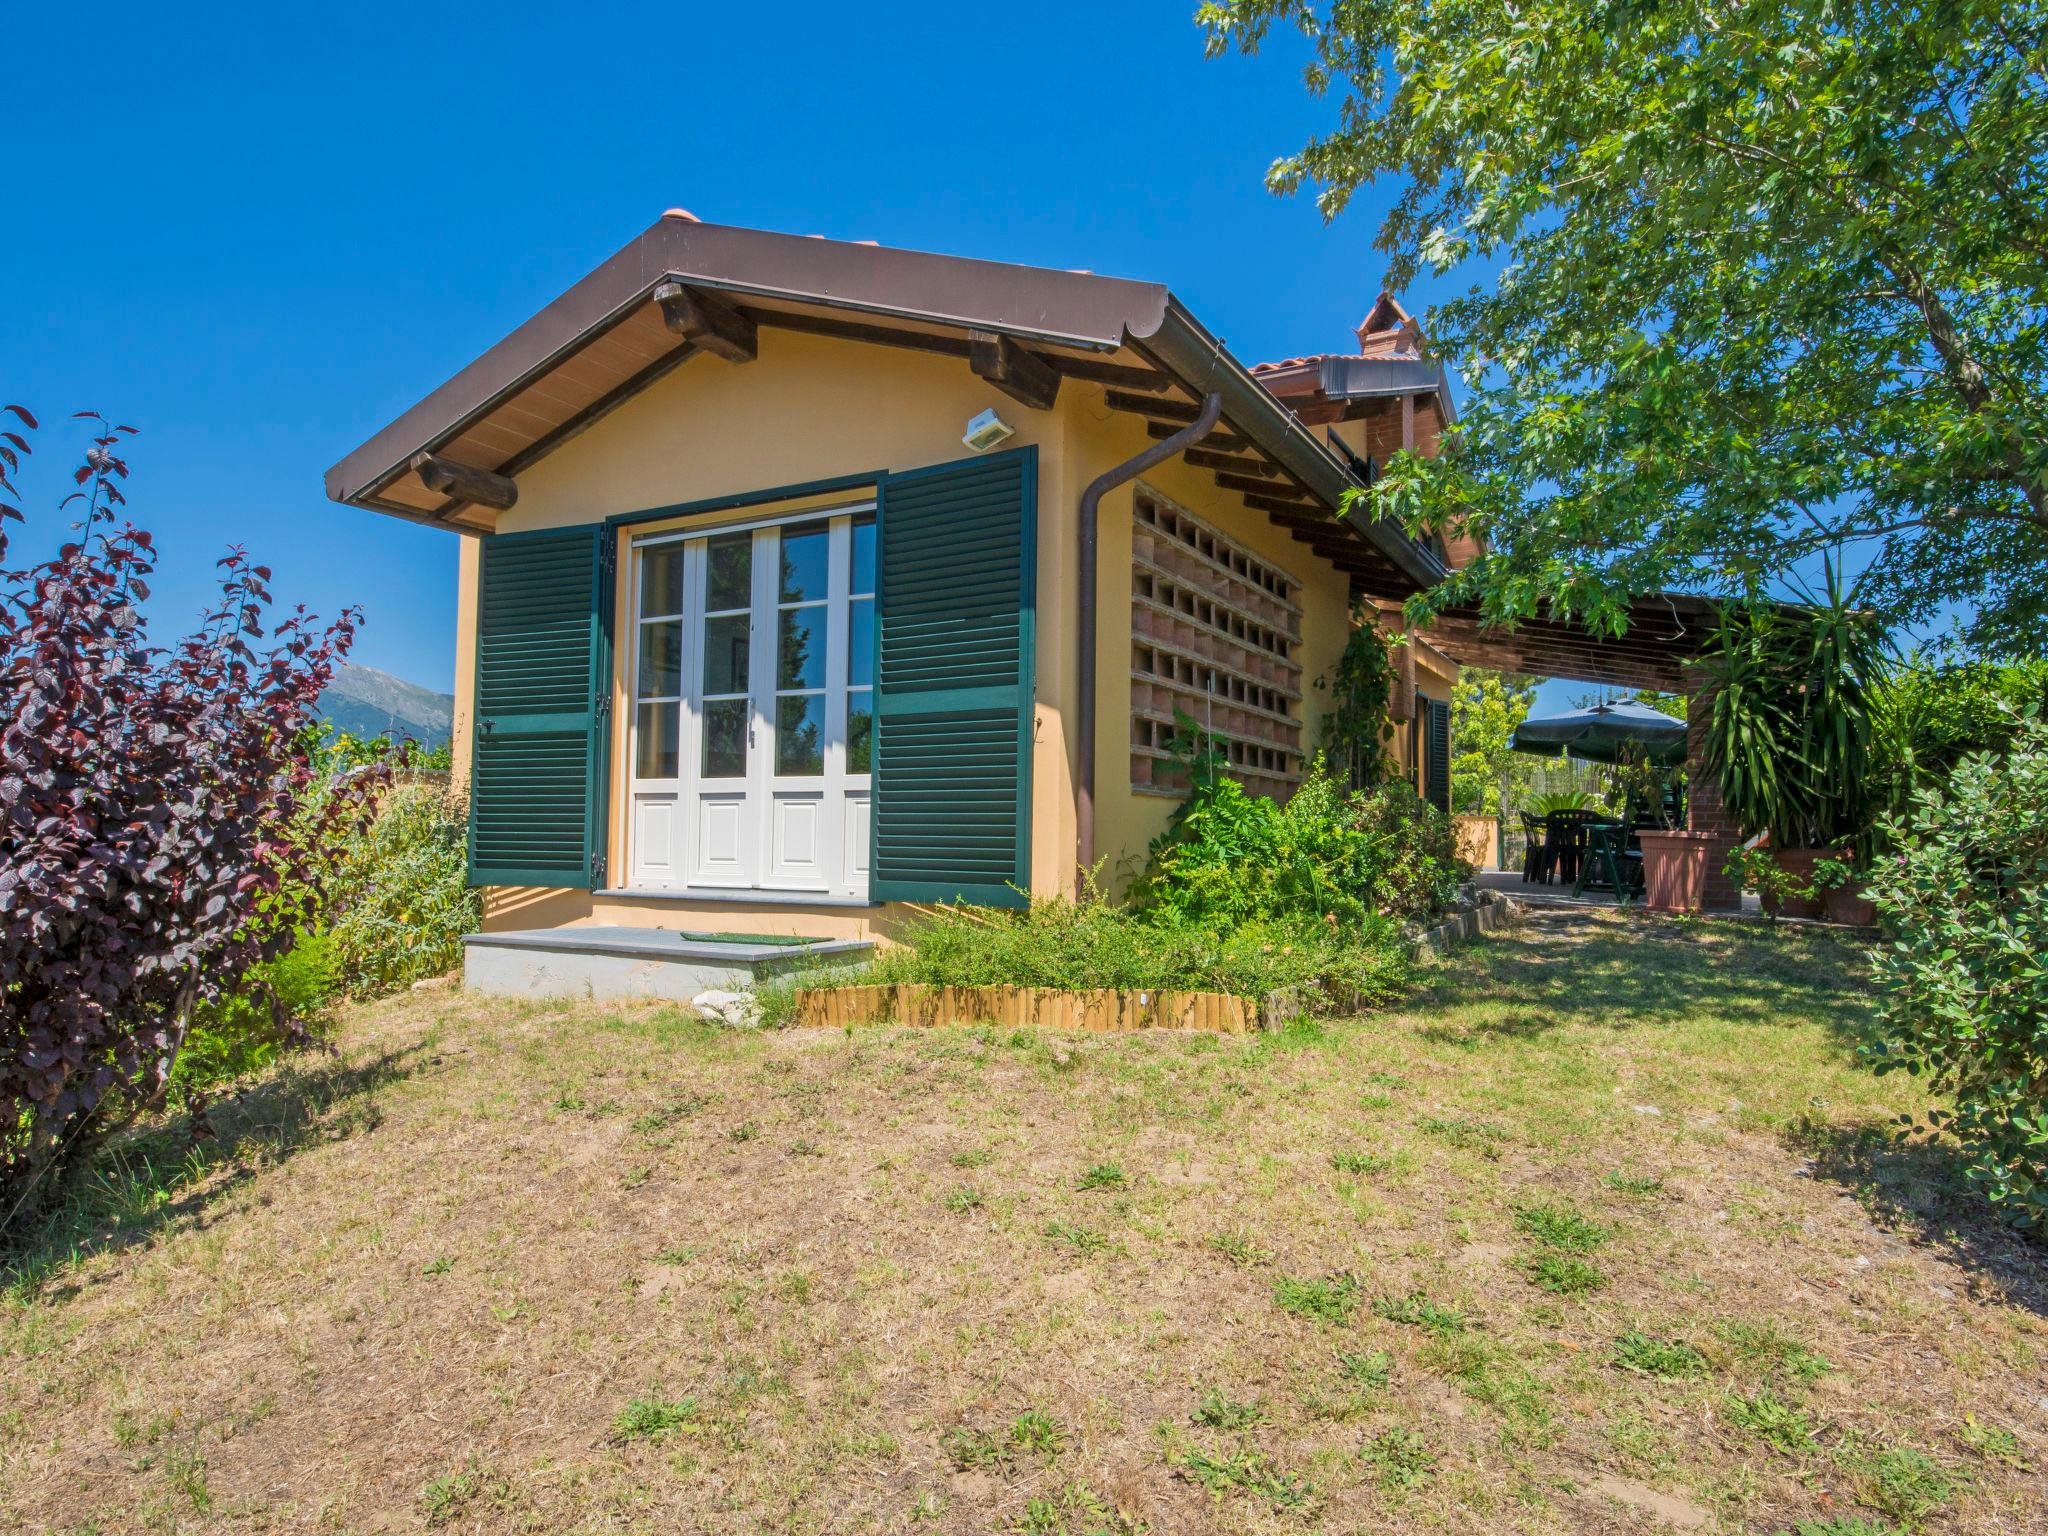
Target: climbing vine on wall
(1361,686)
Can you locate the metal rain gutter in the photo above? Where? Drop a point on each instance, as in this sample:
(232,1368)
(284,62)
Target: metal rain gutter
(1091,508)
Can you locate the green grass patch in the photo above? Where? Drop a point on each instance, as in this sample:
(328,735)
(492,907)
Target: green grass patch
(1562,1274)
(1330,1300)
(1372,1369)
(1102,1176)
(1361,1163)
(1561,1227)
(1665,1359)
(1763,1346)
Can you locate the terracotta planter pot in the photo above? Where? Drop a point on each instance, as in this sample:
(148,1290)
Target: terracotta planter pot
(1847,904)
(1675,870)
(1797,862)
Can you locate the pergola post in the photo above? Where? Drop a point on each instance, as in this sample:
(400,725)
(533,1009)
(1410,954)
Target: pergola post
(1704,812)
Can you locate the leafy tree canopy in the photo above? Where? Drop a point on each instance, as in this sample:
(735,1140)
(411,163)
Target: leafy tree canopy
(1485,709)
(1769,283)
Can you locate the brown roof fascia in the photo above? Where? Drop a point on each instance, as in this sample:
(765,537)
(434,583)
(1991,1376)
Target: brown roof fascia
(1075,310)
(1068,309)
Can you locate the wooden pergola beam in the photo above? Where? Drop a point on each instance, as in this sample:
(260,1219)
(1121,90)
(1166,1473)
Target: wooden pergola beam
(708,324)
(465,482)
(1022,375)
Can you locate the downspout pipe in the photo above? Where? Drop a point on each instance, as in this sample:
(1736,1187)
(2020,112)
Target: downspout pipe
(1091,509)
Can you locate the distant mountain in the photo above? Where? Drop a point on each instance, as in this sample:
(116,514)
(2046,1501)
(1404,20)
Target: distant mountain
(366,702)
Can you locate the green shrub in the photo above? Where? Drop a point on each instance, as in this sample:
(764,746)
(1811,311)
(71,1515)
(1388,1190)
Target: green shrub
(1231,858)
(1965,986)
(403,901)
(242,1033)
(1930,718)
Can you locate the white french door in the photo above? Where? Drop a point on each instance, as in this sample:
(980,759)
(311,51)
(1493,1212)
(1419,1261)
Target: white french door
(753,720)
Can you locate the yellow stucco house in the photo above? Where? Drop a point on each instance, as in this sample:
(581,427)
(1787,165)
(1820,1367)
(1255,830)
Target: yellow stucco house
(801,578)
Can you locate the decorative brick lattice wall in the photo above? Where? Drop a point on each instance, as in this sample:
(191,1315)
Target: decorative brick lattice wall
(1215,633)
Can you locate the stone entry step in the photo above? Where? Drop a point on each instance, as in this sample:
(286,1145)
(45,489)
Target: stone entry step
(616,962)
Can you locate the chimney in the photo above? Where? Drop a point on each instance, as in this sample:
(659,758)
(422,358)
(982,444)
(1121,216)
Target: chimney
(1389,331)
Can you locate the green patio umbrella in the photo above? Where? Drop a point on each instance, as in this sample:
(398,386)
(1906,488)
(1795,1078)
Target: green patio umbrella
(1598,734)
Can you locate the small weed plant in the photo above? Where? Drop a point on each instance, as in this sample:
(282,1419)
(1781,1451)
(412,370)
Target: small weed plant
(1418,1311)
(1770,1418)
(1399,1458)
(1221,1412)
(1372,1369)
(654,1417)
(1244,1471)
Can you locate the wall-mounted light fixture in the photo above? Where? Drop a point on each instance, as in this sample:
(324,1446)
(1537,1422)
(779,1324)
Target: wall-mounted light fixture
(986,431)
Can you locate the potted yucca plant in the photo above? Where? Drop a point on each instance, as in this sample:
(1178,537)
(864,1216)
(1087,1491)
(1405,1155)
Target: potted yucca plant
(1789,714)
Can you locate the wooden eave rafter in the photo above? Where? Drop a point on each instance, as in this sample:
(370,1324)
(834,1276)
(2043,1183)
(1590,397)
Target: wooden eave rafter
(1267,486)
(700,320)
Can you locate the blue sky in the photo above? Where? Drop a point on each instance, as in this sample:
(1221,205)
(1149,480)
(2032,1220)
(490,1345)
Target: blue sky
(260,233)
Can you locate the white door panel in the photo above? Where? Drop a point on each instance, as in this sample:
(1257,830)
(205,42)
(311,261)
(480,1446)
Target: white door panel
(656,834)
(722,841)
(798,843)
(750,667)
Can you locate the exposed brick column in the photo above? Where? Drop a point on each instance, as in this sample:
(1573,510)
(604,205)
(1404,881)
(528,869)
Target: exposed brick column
(1704,811)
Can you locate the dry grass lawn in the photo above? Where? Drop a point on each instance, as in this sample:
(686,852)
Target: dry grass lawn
(1595,1233)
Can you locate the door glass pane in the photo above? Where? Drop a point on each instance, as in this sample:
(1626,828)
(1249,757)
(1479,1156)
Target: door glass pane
(725,739)
(661,660)
(800,648)
(654,734)
(729,572)
(725,653)
(800,733)
(860,614)
(806,559)
(864,555)
(860,732)
(661,580)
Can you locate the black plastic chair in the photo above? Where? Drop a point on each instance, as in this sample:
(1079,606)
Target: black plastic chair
(1564,841)
(1535,857)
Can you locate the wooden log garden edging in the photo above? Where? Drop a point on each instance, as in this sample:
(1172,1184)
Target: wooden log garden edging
(1101,1009)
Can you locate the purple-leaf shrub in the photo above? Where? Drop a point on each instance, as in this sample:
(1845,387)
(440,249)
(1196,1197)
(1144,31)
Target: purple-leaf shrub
(162,829)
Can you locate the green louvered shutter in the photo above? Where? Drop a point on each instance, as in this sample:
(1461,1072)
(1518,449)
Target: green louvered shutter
(543,667)
(952,786)
(1436,757)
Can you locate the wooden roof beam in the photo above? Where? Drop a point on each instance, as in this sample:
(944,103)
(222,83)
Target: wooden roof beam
(708,324)
(1222,441)
(1021,374)
(1203,458)
(465,482)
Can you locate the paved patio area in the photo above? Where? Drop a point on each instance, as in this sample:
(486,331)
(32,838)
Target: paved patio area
(1559,893)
